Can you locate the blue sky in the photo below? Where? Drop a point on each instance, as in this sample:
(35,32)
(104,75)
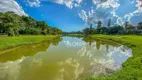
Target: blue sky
(74,15)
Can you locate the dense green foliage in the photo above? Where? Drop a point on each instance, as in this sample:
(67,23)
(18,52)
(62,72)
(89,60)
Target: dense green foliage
(105,30)
(73,32)
(87,31)
(132,68)
(13,25)
(127,28)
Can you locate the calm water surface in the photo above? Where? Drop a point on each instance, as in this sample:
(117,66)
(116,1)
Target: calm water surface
(65,58)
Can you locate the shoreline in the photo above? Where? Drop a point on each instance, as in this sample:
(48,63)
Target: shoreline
(43,38)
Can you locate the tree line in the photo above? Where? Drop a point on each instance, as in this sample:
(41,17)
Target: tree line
(14,25)
(126,28)
(73,32)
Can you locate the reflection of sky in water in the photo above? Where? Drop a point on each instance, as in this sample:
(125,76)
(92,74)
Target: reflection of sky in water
(109,58)
(63,62)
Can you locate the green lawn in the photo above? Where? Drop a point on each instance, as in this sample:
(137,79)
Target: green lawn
(6,42)
(132,68)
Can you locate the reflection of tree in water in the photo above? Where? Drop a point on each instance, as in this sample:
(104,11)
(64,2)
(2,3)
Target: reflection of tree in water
(124,48)
(77,36)
(107,48)
(99,42)
(91,40)
(106,56)
(88,40)
(56,41)
(27,50)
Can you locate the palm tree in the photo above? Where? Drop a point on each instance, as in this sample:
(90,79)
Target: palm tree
(99,24)
(109,23)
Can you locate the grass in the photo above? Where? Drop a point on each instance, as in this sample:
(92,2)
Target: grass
(132,68)
(8,42)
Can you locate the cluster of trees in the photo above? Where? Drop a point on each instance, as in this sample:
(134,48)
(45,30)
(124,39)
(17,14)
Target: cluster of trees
(127,28)
(14,25)
(73,32)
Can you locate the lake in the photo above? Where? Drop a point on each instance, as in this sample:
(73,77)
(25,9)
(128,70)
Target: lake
(64,58)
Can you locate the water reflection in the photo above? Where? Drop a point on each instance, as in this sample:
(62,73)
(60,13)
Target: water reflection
(27,50)
(60,61)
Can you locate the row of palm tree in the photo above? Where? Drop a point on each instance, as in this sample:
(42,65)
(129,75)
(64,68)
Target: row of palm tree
(126,28)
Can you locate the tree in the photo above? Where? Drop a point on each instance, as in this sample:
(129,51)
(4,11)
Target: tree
(43,26)
(11,22)
(103,30)
(140,25)
(49,30)
(86,31)
(109,23)
(99,25)
(56,31)
(116,30)
(126,26)
(91,29)
(30,22)
(13,25)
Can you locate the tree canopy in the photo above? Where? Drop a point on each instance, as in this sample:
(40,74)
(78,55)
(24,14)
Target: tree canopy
(13,25)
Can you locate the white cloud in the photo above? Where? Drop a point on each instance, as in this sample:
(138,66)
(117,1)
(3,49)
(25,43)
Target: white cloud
(33,3)
(11,5)
(68,3)
(91,17)
(110,7)
(137,12)
(103,10)
(106,3)
(132,1)
(117,20)
(83,15)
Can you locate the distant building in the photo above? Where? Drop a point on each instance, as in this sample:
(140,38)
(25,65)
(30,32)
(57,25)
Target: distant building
(138,30)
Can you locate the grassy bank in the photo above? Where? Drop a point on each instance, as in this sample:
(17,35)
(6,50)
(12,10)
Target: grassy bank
(7,42)
(132,68)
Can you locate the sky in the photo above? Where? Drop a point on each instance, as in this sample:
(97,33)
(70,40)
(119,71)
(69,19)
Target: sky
(75,15)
